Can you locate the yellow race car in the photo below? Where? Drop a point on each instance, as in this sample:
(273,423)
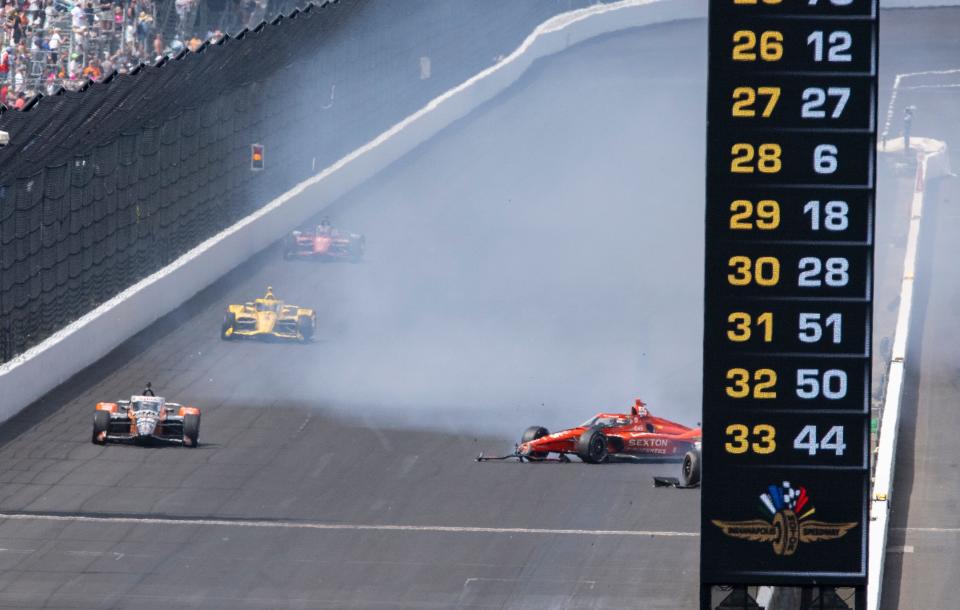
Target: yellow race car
(268,317)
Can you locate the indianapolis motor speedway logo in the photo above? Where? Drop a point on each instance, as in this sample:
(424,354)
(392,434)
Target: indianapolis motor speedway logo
(786,523)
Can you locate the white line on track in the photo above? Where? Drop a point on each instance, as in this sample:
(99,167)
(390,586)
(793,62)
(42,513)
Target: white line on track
(930,530)
(344,526)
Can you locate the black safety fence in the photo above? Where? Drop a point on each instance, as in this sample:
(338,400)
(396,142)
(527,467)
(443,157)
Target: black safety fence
(102,187)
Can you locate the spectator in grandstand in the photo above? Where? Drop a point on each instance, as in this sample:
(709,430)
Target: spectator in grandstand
(18,23)
(6,58)
(22,56)
(51,83)
(93,71)
(144,28)
(76,15)
(183,7)
(73,66)
(54,45)
(50,12)
(48,44)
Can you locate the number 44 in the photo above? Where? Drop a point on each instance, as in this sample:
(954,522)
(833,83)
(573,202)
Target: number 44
(832,440)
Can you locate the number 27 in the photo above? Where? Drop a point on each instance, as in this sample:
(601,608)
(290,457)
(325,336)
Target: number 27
(745,97)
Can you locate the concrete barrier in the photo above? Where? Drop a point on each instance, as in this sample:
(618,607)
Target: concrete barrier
(932,162)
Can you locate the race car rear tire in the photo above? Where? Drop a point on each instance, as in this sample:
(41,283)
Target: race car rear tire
(592,446)
(229,321)
(289,248)
(305,326)
(531,434)
(690,468)
(191,430)
(356,248)
(101,423)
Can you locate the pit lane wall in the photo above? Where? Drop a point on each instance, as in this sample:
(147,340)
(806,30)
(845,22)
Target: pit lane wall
(932,162)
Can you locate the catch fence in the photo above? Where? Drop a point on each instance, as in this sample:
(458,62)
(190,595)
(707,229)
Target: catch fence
(103,186)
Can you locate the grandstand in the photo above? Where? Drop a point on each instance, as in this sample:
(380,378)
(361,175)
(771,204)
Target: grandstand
(52,44)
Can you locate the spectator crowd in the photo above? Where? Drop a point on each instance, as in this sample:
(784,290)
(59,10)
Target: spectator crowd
(47,44)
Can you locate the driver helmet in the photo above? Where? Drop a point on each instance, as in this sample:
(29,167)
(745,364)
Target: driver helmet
(640,408)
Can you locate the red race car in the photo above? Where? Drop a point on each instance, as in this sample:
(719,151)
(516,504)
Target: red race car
(324,242)
(615,435)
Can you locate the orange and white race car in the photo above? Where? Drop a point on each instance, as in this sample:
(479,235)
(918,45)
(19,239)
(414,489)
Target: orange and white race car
(607,436)
(144,419)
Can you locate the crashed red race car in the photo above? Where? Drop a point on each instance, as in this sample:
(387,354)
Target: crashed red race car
(324,242)
(608,436)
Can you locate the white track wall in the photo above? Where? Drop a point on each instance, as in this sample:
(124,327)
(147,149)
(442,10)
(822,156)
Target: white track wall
(932,162)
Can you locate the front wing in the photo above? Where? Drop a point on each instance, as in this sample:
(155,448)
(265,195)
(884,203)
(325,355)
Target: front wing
(279,334)
(120,431)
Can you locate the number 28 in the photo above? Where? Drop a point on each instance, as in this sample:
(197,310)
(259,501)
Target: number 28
(768,158)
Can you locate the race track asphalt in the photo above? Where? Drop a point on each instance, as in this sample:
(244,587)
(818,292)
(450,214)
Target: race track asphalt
(539,261)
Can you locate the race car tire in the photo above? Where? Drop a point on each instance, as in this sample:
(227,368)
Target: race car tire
(305,326)
(592,446)
(229,321)
(690,468)
(356,249)
(289,248)
(191,430)
(531,434)
(101,423)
